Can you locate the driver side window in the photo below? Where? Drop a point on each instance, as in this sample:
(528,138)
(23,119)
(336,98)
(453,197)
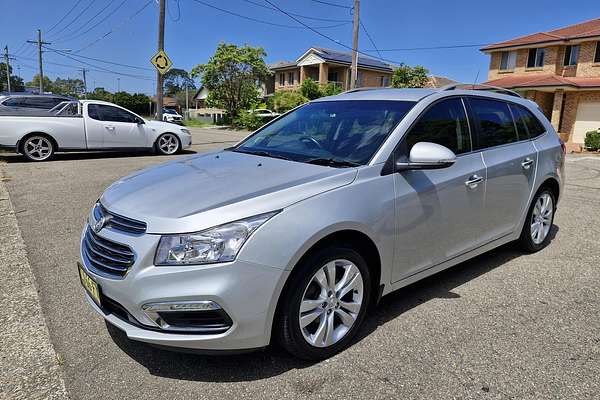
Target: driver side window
(444,123)
(115,114)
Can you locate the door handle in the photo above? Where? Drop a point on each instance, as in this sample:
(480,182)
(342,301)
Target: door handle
(527,163)
(110,127)
(473,181)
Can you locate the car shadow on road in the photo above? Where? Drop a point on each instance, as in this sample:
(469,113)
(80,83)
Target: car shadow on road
(13,158)
(274,361)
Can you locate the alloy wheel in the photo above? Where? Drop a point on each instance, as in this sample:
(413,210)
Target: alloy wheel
(168,143)
(541,218)
(37,148)
(331,303)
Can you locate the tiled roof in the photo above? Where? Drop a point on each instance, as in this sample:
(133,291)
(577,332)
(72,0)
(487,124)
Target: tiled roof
(542,80)
(582,30)
(338,56)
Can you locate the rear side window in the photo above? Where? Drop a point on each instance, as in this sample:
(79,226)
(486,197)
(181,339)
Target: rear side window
(445,123)
(534,126)
(494,123)
(44,103)
(13,102)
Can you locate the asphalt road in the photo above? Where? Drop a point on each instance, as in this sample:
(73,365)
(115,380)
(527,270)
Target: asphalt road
(504,325)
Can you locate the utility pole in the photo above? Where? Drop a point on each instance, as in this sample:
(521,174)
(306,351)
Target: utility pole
(187,113)
(161,46)
(40,43)
(354,72)
(6,60)
(83,71)
(118,84)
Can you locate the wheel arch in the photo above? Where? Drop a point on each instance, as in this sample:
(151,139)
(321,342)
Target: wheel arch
(154,144)
(551,183)
(19,143)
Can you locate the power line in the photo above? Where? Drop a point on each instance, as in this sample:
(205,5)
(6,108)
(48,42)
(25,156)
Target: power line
(74,19)
(178,12)
(71,36)
(116,27)
(100,60)
(332,4)
(260,20)
(369,36)
(64,16)
(329,37)
(298,15)
(457,46)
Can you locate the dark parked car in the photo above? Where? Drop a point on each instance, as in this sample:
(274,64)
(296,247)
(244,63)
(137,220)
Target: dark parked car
(36,101)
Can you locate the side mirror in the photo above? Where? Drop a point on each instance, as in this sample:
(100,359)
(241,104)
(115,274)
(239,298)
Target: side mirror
(425,155)
(139,121)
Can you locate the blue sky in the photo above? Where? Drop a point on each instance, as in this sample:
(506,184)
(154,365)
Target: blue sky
(193,30)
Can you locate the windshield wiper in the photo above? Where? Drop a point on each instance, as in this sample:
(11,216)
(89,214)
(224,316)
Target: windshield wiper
(332,162)
(260,153)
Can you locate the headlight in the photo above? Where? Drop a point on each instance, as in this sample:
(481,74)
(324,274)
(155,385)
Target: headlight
(186,131)
(219,244)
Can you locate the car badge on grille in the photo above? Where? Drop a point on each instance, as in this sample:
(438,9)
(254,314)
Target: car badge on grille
(101,223)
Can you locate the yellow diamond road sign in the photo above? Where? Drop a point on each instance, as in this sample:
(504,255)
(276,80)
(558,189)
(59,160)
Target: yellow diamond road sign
(162,62)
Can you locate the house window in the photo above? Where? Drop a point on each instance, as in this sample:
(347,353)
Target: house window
(281,79)
(332,76)
(508,60)
(571,54)
(291,78)
(359,79)
(597,56)
(536,58)
(384,81)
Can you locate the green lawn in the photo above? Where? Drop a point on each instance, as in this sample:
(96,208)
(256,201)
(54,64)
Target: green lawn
(194,123)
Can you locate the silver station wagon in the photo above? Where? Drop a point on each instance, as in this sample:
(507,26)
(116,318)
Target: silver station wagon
(295,233)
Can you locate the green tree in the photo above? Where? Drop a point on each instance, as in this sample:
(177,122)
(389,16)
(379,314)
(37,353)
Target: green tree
(285,100)
(68,87)
(35,83)
(406,76)
(177,80)
(16,82)
(138,102)
(331,89)
(232,77)
(311,89)
(100,94)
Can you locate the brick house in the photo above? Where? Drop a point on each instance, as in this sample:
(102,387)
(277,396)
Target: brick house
(327,65)
(558,69)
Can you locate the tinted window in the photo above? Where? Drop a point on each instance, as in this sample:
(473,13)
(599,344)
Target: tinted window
(444,123)
(93,112)
(114,114)
(40,102)
(346,130)
(13,102)
(534,126)
(495,125)
(520,121)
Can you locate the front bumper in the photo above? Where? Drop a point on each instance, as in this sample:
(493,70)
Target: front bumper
(247,292)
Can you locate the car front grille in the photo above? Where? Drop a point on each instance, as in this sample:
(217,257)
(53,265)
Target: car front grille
(117,221)
(105,257)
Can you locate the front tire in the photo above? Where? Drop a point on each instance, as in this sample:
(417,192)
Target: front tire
(167,144)
(38,148)
(325,303)
(536,230)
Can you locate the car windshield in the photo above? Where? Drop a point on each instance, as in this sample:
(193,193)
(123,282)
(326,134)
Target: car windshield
(167,111)
(336,133)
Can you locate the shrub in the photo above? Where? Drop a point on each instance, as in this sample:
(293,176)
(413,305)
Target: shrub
(248,120)
(331,89)
(286,100)
(592,140)
(310,89)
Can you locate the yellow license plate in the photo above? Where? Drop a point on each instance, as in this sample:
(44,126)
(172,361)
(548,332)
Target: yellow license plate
(90,286)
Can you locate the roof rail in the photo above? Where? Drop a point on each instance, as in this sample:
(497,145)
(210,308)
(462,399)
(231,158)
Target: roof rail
(481,86)
(364,88)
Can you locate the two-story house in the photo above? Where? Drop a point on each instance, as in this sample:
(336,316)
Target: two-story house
(558,69)
(327,65)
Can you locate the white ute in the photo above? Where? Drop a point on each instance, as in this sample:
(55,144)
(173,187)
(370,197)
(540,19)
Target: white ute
(88,125)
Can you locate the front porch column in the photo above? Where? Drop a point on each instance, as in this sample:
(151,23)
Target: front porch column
(557,108)
(302,74)
(323,72)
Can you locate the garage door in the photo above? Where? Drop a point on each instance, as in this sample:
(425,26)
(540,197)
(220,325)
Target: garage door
(588,119)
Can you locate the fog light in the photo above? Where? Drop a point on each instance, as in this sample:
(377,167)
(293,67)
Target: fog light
(181,306)
(201,316)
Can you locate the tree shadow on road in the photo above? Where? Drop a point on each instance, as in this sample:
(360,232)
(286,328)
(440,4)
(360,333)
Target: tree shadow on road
(274,361)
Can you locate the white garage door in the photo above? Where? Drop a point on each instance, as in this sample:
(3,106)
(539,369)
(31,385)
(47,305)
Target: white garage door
(588,119)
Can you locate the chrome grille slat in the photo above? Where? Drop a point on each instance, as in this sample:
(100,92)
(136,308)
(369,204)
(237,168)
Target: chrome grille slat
(119,222)
(105,257)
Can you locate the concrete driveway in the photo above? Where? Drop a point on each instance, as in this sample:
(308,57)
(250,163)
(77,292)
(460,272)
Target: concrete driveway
(504,325)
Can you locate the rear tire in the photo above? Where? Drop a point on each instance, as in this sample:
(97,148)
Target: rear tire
(38,148)
(317,319)
(538,223)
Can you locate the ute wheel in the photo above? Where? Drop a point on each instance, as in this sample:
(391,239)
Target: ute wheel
(167,144)
(324,304)
(38,148)
(536,230)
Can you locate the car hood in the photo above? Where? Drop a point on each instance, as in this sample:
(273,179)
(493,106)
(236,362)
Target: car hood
(161,126)
(201,191)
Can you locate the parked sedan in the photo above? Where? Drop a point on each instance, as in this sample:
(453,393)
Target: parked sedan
(170,115)
(264,113)
(294,233)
